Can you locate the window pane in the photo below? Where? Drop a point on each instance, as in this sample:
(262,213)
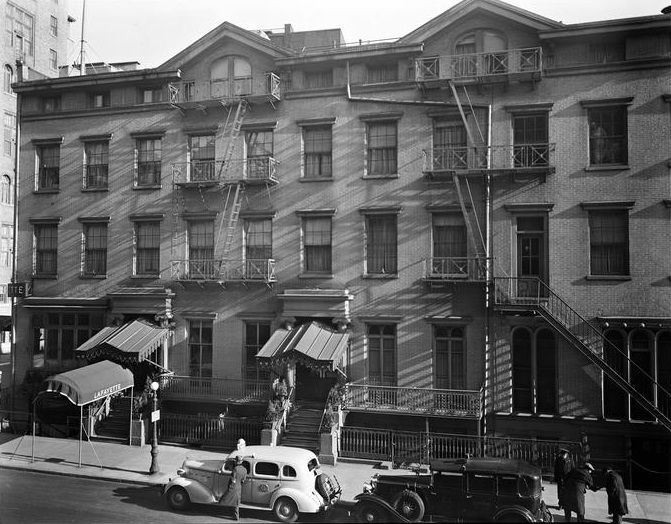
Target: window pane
(382,148)
(608,135)
(381,244)
(609,242)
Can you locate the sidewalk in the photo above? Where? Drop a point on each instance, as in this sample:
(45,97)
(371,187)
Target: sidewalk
(130,464)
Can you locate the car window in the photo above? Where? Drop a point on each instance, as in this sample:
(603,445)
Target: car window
(267,469)
(313,464)
(508,484)
(447,481)
(289,471)
(526,486)
(481,483)
(229,465)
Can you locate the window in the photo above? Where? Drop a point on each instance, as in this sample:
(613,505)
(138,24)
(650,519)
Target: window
(640,371)
(9,79)
(530,140)
(49,161)
(522,385)
(6,240)
(259,153)
(45,249)
(57,335)
(381,148)
(19,25)
(188,91)
(465,59)
(257,333)
(607,135)
(5,336)
(615,399)
(53,26)
(147,247)
(379,73)
(449,245)
(98,100)
(94,263)
(10,133)
(258,247)
(96,158)
(267,469)
(152,95)
(289,471)
(450,144)
(201,249)
(546,372)
(534,371)
(51,104)
(317,244)
(201,150)
(231,76)
(53,59)
(317,156)
(450,357)
(319,79)
(200,349)
(381,244)
(609,242)
(6,194)
(482,483)
(148,158)
(381,340)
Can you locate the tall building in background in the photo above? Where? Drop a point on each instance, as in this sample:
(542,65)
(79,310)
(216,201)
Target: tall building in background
(466,227)
(36,34)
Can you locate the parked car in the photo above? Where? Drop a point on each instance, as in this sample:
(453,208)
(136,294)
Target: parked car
(467,490)
(286,480)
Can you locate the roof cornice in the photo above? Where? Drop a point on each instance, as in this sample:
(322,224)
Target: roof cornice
(77,82)
(356,52)
(643,23)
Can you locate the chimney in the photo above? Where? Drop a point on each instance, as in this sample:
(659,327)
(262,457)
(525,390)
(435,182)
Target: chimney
(21,71)
(287,35)
(288,29)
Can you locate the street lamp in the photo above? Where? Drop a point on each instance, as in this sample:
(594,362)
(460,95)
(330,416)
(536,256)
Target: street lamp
(154,468)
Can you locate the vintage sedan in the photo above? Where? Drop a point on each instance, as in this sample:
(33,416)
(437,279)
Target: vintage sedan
(464,490)
(285,480)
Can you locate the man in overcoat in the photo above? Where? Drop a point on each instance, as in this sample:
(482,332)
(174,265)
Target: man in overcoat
(562,467)
(234,492)
(617,496)
(577,483)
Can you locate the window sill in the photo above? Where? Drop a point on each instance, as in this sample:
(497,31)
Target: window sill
(609,167)
(45,277)
(376,276)
(316,179)
(145,277)
(148,186)
(92,277)
(378,177)
(619,278)
(46,191)
(316,275)
(95,189)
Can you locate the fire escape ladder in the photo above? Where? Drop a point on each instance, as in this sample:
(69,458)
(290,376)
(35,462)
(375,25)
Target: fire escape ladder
(233,134)
(178,205)
(534,294)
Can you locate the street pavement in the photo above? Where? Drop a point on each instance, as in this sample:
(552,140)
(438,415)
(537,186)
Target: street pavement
(130,464)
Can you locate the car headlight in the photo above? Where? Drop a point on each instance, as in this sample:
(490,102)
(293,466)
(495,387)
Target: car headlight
(181,472)
(367,487)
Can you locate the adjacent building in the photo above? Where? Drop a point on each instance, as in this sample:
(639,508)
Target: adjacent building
(470,224)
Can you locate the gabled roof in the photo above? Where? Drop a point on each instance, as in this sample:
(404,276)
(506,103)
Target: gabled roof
(249,38)
(465,8)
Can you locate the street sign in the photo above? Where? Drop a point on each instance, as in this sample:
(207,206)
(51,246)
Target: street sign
(20,289)
(155,415)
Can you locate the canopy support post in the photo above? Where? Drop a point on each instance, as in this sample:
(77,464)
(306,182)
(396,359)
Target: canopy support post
(81,427)
(32,423)
(130,423)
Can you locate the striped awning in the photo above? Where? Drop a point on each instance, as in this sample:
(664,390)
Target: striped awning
(135,340)
(310,343)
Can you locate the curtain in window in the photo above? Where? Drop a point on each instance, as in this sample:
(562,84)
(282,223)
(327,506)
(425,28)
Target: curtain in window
(609,242)
(50,159)
(258,247)
(382,354)
(449,242)
(381,244)
(201,249)
(202,150)
(148,247)
(318,152)
(608,135)
(317,244)
(46,242)
(149,161)
(450,358)
(95,259)
(450,149)
(382,152)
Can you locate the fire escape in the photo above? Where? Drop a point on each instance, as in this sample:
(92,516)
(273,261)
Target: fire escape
(217,187)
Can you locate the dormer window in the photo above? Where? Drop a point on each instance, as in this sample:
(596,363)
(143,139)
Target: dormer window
(231,76)
(319,79)
(98,100)
(481,52)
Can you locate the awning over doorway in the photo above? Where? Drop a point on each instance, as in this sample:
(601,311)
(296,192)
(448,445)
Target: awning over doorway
(135,340)
(310,343)
(89,383)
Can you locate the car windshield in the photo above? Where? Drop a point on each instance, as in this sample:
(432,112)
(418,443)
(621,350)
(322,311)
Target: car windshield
(313,464)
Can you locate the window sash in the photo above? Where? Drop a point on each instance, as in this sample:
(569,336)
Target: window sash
(382,148)
(609,242)
(381,244)
(200,348)
(258,239)
(608,135)
(318,152)
(49,167)
(95,249)
(148,244)
(46,243)
(382,354)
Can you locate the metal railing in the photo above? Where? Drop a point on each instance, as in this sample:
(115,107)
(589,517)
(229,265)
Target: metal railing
(267,85)
(195,388)
(256,169)
(455,268)
(532,292)
(515,156)
(419,447)
(440,402)
(225,270)
(479,65)
(209,430)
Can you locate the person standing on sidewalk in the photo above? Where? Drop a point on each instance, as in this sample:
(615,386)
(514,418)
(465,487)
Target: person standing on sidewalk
(234,492)
(577,483)
(617,496)
(563,466)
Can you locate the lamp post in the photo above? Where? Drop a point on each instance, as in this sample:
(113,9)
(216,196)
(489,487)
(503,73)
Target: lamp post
(154,468)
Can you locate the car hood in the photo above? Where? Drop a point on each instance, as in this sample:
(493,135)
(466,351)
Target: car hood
(404,479)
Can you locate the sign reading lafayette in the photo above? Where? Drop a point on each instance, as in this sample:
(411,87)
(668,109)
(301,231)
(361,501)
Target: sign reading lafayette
(106,391)
(19,289)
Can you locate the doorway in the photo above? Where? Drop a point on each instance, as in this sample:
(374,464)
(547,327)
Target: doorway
(531,255)
(313,384)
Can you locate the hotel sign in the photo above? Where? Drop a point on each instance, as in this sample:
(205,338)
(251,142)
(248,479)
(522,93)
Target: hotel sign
(106,391)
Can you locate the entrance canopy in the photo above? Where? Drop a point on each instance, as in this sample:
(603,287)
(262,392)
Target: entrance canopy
(90,383)
(133,341)
(311,344)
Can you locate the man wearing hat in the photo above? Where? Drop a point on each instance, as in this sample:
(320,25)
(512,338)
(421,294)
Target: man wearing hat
(563,466)
(232,496)
(617,496)
(576,485)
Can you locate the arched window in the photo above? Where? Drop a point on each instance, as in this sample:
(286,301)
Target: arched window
(615,399)
(6,190)
(231,76)
(641,370)
(546,372)
(9,79)
(522,387)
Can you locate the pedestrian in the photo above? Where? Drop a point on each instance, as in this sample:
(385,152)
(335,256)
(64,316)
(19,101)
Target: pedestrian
(577,483)
(617,496)
(231,498)
(563,466)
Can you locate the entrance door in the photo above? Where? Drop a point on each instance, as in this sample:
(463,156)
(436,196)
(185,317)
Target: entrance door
(311,386)
(531,256)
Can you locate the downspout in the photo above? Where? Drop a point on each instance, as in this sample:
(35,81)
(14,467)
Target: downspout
(488,275)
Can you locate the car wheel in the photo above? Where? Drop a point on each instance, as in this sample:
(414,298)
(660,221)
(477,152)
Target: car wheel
(410,505)
(285,510)
(178,498)
(367,512)
(512,517)
(324,486)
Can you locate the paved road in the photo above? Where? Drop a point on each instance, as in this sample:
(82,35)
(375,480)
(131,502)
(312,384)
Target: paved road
(49,499)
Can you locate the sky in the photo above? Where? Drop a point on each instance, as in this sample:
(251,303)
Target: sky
(152,31)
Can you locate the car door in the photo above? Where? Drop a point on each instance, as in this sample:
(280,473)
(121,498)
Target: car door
(480,497)
(265,481)
(246,496)
(447,494)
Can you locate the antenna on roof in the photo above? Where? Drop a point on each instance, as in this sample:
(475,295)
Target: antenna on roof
(81,48)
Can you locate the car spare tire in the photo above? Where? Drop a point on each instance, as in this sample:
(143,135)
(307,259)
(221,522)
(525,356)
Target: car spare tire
(410,505)
(324,486)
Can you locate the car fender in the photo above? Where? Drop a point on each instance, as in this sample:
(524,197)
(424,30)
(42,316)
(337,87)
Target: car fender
(519,511)
(198,493)
(304,501)
(374,499)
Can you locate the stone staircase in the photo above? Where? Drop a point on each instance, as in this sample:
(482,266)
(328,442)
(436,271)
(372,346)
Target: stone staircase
(303,424)
(116,426)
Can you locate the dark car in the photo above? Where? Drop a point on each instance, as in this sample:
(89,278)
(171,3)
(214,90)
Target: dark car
(467,490)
